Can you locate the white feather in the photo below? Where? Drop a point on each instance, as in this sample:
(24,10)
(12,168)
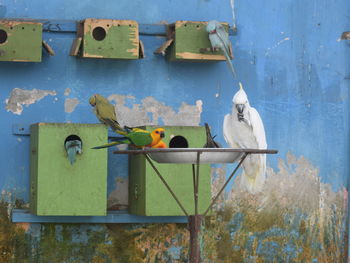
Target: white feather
(247,133)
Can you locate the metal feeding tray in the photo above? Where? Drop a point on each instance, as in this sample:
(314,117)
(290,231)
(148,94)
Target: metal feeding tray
(189,155)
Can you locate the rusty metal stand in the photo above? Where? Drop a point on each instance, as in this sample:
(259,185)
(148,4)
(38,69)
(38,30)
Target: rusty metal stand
(194,221)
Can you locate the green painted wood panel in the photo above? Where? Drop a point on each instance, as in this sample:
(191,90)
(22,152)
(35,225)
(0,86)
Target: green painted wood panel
(107,38)
(20,41)
(190,37)
(59,188)
(147,194)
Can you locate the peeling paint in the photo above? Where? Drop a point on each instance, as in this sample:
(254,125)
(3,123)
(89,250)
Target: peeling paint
(276,45)
(118,198)
(296,218)
(67,91)
(152,111)
(70,104)
(19,97)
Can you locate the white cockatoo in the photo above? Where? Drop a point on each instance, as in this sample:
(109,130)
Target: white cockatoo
(243,128)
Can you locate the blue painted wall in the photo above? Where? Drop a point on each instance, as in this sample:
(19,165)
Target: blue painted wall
(287,56)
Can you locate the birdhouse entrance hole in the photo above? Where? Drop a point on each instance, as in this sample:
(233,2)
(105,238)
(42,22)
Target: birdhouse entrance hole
(3,36)
(178,142)
(99,33)
(73,137)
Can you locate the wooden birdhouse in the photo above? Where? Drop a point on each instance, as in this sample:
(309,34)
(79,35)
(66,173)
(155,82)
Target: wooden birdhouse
(58,187)
(147,194)
(189,41)
(107,38)
(20,41)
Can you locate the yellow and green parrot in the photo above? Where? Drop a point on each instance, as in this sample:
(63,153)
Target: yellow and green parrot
(139,138)
(105,112)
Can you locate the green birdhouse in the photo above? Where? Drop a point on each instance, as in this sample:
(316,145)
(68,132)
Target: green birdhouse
(147,194)
(20,41)
(107,38)
(189,41)
(60,187)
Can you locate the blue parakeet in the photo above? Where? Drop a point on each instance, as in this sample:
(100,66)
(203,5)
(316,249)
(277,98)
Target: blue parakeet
(219,39)
(73,147)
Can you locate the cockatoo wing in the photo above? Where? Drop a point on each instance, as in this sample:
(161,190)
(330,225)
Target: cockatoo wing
(229,132)
(258,128)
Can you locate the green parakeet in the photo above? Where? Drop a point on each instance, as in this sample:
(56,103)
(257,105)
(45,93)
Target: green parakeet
(105,112)
(139,138)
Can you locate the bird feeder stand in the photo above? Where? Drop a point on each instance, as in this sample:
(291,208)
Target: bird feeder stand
(209,155)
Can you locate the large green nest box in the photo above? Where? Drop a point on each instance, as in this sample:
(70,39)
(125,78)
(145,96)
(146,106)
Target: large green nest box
(58,187)
(107,38)
(147,194)
(189,41)
(20,41)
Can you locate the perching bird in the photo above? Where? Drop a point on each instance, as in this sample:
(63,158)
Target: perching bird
(139,138)
(219,39)
(160,144)
(210,139)
(73,147)
(243,128)
(105,112)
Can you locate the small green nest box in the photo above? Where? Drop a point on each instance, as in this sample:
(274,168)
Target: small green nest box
(189,41)
(20,41)
(107,38)
(58,187)
(147,194)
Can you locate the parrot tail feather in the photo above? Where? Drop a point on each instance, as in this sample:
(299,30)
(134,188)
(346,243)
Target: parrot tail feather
(106,145)
(253,184)
(115,126)
(229,63)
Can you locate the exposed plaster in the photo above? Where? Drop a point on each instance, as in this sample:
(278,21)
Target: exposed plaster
(70,104)
(276,45)
(67,91)
(152,111)
(118,198)
(19,97)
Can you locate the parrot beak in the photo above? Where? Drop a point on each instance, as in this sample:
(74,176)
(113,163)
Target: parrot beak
(240,108)
(92,101)
(162,134)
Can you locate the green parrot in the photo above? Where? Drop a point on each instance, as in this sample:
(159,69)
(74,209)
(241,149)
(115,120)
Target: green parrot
(137,137)
(105,112)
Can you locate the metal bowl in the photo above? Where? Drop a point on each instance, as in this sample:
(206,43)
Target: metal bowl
(191,157)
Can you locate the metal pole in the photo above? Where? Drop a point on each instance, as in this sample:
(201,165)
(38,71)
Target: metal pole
(166,184)
(194,221)
(194,181)
(226,183)
(196,185)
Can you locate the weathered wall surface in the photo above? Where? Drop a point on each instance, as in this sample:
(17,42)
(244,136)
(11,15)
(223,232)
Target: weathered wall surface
(296,75)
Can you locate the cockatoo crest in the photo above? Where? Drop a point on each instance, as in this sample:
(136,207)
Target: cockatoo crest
(240,97)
